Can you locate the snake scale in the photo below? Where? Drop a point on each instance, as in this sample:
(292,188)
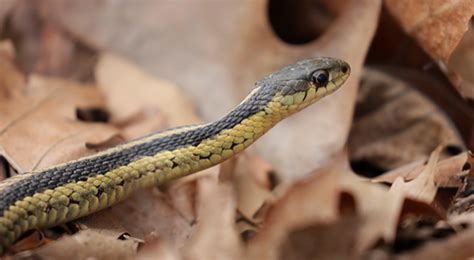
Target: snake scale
(78,188)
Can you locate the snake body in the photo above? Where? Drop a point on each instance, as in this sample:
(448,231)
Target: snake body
(75,189)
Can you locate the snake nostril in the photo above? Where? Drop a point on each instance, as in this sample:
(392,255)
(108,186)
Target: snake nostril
(344,69)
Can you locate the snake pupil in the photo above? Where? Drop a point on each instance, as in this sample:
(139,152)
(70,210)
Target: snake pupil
(344,69)
(320,78)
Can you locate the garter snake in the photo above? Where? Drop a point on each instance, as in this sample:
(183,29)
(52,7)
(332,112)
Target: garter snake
(78,188)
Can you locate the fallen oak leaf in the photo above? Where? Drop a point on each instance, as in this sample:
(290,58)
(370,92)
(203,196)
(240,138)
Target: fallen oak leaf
(464,199)
(300,243)
(87,244)
(128,90)
(5,8)
(148,120)
(454,247)
(460,62)
(423,187)
(251,50)
(307,202)
(438,26)
(156,248)
(321,145)
(215,236)
(146,212)
(378,208)
(446,176)
(38,123)
(394,124)
(251,193)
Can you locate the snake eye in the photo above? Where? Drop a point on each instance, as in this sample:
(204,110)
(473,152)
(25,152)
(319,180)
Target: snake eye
(320,78)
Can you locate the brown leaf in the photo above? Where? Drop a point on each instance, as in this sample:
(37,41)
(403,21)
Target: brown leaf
(87,244)
(455,247)
(314,201)
(446,176)
(157,249)
(251,194)
(423,187)
(147,121)
(220,57)
(324,126)
(438,26)
(379,209)
(394,125)
(5,8)
(461,62)
(464,199)
(215,236)
(145,212)
(300,243)
(128,90)
(38,123)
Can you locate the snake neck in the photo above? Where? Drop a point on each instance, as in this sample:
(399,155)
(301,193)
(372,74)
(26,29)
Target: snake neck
(96,182)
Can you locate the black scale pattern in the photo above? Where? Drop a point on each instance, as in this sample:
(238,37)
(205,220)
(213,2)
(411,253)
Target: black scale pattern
(83,169)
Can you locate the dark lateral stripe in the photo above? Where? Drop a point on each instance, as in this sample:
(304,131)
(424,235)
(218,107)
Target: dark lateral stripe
(82,169)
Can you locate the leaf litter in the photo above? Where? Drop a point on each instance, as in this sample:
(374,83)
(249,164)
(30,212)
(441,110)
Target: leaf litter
(293,196)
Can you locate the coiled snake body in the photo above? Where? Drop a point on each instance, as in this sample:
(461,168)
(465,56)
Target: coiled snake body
(66,192)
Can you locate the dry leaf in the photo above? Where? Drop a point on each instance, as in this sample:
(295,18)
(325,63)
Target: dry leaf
(38,123)
(5,8)
(455,247)
(145,212)
(394,125)
(214,52)
(157,249)
(464,199)
(301,243)
(461,62)
(423,187)
(438,26)
(251,195)
(87,244)
(215,225)
(377,207)
(147,121)
(128,90)
(314,201)
(224,54)
(446,176)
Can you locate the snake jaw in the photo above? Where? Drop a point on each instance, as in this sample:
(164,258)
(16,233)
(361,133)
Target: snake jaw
(301,90)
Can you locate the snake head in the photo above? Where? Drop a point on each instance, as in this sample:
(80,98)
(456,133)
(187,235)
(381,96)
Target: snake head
(303,83)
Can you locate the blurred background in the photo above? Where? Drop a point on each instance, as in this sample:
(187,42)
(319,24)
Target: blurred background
(77,77)
(415,83)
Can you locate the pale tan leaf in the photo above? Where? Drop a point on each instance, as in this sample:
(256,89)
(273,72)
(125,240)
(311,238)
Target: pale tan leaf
(215,236)
(379,209)
(87,244)
(461,63)
(157,249)
(455,247)
(145,212)
(220,57)
(423,187)
(446,176)
(310,202)
(394,124)
(128,90)
(38,122)
(251,194)
(438,26)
